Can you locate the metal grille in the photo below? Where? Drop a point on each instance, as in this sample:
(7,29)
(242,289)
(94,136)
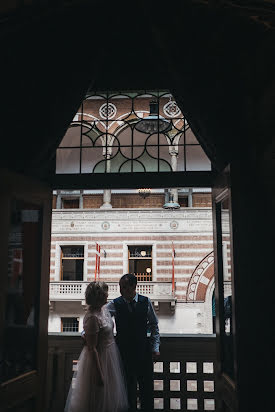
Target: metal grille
(140,251)
(70,324)
(72,251)
(110,134)
(143,277)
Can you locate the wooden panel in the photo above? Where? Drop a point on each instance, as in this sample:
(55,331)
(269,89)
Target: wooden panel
(25,391)
(179,354)
(227,388)
(19,392)
(54,200)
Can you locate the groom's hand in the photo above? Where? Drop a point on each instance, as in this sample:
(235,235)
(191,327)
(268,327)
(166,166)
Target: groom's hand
(155,356)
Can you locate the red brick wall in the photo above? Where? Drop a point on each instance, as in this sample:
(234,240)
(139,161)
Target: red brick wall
(136,201)
(92,201)
(202,200)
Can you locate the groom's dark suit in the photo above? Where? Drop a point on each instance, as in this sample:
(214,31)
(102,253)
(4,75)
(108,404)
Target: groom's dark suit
(135,348)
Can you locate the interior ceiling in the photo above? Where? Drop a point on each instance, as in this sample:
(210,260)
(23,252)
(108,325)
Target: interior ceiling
(217,61)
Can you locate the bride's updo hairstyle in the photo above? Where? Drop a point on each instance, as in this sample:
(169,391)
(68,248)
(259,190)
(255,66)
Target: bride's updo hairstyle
(96,294)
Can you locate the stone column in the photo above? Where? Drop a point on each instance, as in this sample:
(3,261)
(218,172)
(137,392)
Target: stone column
(81,200)
(106,199)
(107,192)
(58,201)
(190,199)
(166,196)
(174,160)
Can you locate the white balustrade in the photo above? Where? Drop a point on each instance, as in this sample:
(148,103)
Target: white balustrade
(159,291)
(67,290)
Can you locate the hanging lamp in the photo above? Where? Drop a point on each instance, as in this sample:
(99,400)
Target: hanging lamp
(153,123)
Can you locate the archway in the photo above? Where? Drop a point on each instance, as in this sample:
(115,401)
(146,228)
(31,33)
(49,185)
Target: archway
(202,280)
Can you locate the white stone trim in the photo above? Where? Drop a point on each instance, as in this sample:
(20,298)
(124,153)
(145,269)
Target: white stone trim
(204,251)
(208,304)
(176,267)
(163,275)
(183,258)
(204,280)
(168,242)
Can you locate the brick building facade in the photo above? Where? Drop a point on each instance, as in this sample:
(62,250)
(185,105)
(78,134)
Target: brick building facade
(132,227)
(135,231)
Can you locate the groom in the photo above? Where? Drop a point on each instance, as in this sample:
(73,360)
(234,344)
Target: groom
(135,316)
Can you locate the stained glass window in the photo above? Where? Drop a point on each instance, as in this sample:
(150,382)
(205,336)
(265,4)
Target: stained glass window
(129,132)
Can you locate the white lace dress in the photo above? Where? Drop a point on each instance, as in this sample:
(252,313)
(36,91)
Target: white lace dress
(84,394)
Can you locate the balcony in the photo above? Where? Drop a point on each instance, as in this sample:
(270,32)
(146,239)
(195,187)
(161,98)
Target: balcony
(75,291)
(184,376)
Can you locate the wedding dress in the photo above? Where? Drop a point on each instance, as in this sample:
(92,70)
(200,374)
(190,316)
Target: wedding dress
(84,394)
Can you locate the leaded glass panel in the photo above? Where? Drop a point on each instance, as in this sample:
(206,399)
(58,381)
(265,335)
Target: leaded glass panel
(129,132)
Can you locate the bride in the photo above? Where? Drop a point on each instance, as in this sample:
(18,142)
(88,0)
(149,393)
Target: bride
(98,385)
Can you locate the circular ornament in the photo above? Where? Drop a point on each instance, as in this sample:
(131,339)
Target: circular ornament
(107,111)
(105,225)
(174,224)
(171,109)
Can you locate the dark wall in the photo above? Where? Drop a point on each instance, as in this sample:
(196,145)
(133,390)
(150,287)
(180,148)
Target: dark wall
(218,62)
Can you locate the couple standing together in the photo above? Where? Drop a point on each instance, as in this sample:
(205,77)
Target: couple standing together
(108,372)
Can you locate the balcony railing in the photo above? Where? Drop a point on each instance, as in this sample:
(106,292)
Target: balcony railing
(184,376)
(143,277)
(156,291)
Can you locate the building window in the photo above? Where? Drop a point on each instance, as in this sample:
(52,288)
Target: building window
(140,262)
(72,263)
(183,201)
(69,325)
(68,203)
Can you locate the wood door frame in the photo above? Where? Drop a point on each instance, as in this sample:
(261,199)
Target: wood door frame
(29,385)
(227,388)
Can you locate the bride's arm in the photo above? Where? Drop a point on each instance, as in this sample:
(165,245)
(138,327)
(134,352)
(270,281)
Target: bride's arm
(91,340)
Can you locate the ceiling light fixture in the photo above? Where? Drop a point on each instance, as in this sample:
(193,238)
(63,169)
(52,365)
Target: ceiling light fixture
(154,123)
(144,192)
(171,204)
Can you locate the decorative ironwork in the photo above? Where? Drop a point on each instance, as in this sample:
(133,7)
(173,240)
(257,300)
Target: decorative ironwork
(108,110)
(171,109)
(108,135)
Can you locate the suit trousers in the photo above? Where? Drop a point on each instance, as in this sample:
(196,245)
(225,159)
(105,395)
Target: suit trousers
(140,373)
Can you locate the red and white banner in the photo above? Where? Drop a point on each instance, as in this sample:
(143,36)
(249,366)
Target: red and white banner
(97,261)
(173,267)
